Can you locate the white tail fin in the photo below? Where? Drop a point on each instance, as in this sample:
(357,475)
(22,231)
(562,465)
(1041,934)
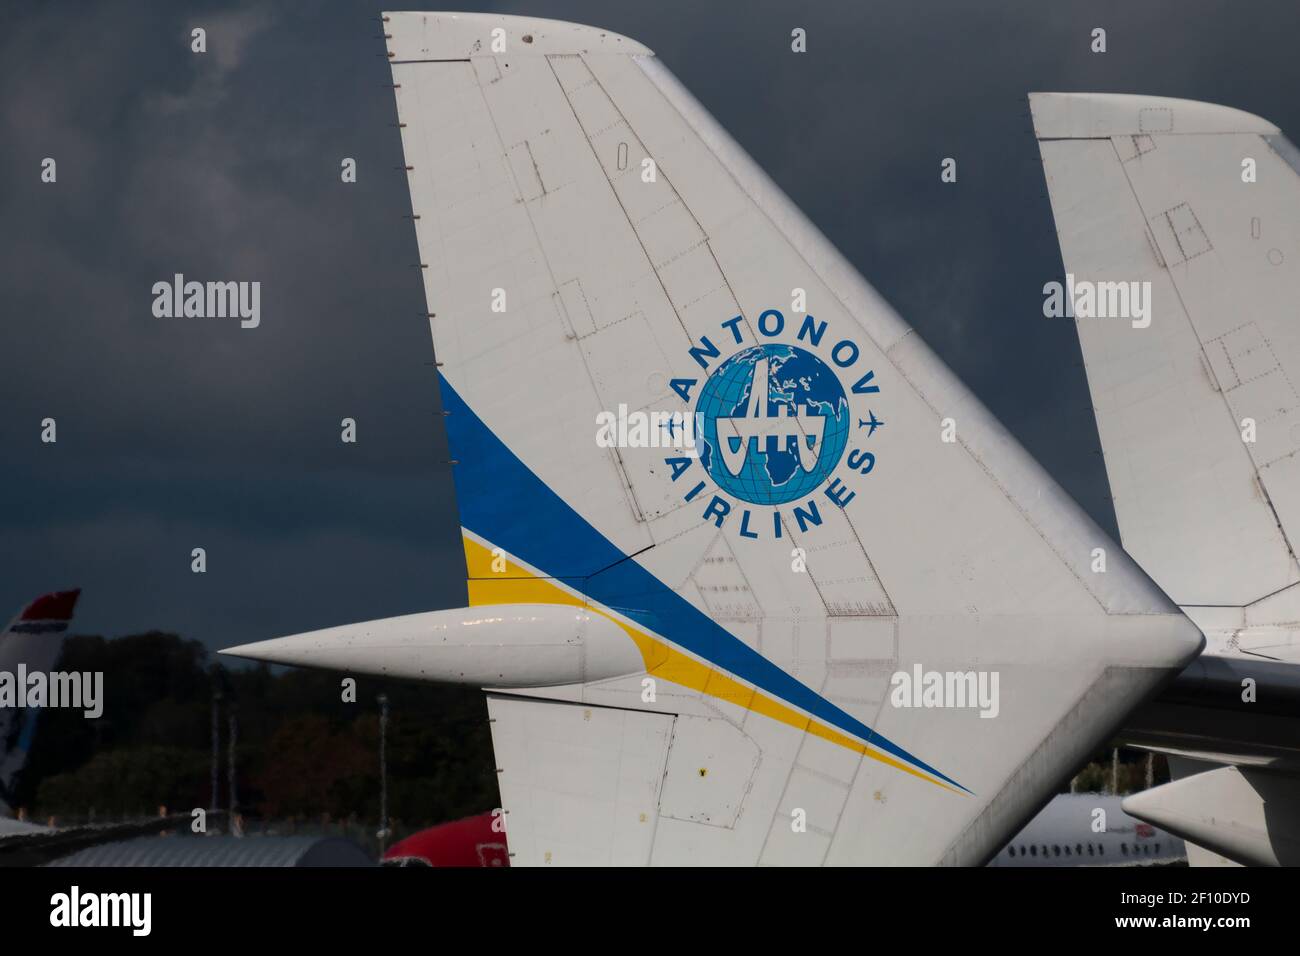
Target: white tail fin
(593,240)
(1197,208)
(1197,403)
(870,627)
(31,643)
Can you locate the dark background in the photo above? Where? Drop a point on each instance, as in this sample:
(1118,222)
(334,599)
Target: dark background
(176,434)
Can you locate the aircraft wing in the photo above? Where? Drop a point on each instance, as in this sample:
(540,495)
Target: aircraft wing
(865,626)
(1205,714)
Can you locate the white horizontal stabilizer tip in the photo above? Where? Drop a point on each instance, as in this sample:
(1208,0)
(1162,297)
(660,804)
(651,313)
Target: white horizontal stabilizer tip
(1244,814)
(500,646)
(459,36)
(1101,115)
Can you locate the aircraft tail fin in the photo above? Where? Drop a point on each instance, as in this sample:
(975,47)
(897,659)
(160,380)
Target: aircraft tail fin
(867,626)
(1189,214)
(32,641)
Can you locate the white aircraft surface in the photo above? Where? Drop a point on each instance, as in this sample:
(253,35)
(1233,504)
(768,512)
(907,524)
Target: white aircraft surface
(686,663)
(1089,829)
(32,642)
(1199,416)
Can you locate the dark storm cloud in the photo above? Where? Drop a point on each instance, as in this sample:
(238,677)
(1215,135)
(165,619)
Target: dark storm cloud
(186,433)
(183,434)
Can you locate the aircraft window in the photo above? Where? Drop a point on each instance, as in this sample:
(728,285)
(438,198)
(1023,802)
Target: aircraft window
(1033,851)
(1067,850)
(1056,850)
(1157,848)
(1078,849)
(1101,849)
(1124,847)
(1011,851)
(1090,853)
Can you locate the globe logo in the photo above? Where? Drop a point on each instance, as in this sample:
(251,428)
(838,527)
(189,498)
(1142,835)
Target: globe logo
(773,424)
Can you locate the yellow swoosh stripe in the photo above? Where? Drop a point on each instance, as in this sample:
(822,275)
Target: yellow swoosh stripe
(496,579)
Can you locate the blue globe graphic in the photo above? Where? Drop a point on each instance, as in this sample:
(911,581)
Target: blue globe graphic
(769,469)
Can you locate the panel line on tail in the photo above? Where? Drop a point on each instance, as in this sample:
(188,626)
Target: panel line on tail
(532,523)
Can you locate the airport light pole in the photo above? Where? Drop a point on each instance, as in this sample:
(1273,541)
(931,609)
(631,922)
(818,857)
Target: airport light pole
(235,827)
(383,773)
(216,749)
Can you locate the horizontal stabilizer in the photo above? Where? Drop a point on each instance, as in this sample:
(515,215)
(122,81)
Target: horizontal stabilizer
(514,646)
(1247,815)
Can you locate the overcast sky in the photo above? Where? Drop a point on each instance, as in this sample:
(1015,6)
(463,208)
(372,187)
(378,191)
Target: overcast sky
(176,435)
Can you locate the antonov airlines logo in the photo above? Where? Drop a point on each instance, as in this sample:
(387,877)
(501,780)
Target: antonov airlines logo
(801,428)
(772,424)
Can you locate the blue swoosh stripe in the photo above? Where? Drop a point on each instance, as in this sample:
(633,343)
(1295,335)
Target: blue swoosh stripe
(504,502)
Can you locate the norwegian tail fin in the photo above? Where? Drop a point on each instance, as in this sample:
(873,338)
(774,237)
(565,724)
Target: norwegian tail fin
(31,643)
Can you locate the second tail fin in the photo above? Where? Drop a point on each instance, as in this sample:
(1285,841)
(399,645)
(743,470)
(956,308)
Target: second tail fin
(31,643)
(1191,213)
